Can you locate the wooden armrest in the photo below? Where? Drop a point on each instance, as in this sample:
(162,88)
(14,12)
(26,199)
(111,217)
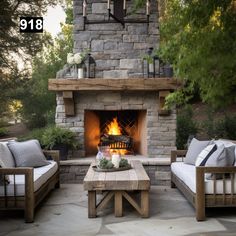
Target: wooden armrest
(17,171)
(54,154)
(216,170)
(177,153)
(28,172)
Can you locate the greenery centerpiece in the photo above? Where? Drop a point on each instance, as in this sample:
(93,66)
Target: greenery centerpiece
(107,165)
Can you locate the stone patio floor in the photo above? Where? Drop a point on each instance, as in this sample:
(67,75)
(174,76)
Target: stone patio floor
(64,213)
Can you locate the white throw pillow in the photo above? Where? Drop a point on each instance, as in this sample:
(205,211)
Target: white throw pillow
(6,158)
(194,150)
(205,154)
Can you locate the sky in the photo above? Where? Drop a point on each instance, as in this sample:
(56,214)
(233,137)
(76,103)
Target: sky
(52,20)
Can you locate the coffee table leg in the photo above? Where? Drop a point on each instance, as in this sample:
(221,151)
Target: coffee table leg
(118,204)
(145,203)
(92,204)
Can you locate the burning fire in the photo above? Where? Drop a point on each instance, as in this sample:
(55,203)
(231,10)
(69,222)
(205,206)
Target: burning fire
(113,128)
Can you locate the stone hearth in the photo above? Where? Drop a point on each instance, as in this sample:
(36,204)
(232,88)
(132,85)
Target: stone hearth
(158,169)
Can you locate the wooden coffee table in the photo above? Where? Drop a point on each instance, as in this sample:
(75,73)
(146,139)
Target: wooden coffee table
(118,184)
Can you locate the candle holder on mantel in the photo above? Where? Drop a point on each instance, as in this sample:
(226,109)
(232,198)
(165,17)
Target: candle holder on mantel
(152,65)
(120,11)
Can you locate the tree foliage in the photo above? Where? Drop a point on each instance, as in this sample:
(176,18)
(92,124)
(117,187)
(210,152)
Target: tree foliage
(198,38)
(16,46)
(38,102)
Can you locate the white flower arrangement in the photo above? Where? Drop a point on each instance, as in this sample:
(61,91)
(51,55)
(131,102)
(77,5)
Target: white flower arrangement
(76,58)
(70,58)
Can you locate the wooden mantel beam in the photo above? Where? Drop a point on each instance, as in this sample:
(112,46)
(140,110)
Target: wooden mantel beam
(129,84)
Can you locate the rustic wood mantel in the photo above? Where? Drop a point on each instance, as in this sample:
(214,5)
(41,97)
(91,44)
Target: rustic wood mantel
(69,86)
(129,84)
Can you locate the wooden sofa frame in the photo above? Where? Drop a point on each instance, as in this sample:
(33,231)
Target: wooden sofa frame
(200,200)
(31,199)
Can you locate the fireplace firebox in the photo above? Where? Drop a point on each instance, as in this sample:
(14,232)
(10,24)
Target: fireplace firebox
(123,131)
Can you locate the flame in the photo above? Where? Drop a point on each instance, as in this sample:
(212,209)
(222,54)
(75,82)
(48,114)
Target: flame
(113,128)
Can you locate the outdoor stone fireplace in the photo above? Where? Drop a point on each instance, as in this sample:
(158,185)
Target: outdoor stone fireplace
(119,90)
(154,135)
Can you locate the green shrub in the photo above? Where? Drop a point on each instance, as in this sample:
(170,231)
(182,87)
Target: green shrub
(4,123)
(3,132)
(34,134)
(230,127)
(220,128)
(34,121)
(185,127)
(55,136)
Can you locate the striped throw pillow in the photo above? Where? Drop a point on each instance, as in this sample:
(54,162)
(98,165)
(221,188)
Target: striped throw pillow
(205,154)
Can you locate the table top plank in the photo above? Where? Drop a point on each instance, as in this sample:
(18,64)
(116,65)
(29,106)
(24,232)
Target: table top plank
(141,174)
(133,179)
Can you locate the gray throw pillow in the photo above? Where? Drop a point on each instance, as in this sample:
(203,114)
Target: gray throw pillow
(27,154)
(194,150)
(6,158)
(223,156)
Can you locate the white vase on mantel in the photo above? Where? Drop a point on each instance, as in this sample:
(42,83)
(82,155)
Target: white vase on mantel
(80,73)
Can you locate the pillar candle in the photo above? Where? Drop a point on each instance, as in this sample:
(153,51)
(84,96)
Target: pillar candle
(148,8)
(80,73)
(115,160)
(84,8)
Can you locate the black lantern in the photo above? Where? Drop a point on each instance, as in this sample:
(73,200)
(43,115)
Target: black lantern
(91,66)
(151,65)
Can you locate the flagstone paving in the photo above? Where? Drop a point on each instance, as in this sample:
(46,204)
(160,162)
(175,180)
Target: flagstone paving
(64,213)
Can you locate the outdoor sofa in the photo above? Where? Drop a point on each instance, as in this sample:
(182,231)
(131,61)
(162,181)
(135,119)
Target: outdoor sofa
(23,188)
(208,185)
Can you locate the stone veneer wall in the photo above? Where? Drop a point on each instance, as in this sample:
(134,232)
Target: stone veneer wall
(161,130)
(118,51)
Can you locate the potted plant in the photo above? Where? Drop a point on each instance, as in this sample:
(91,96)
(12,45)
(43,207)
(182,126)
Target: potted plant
(56,138)
(167,60)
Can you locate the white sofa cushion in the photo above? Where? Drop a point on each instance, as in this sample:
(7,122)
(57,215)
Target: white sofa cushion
(187,173)
(6,158)
(41,175)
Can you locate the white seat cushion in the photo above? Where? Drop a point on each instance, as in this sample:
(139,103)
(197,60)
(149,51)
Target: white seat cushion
(41,175)
(187,173)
